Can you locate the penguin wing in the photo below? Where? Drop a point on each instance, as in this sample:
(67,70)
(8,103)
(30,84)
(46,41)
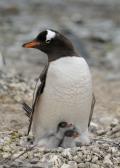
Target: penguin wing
(27,109)
(92,109)
(38,91)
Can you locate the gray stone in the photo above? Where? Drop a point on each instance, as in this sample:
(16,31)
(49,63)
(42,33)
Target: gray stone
(67,166)
(107,160)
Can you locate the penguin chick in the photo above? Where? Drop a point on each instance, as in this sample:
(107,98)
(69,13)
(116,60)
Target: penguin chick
(83,139)
(62,128)
(69,139)
(53,140)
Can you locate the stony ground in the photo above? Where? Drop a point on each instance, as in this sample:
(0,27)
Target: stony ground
(103,152)
(94,28)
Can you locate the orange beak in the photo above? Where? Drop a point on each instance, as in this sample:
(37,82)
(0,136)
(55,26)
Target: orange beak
(32,44)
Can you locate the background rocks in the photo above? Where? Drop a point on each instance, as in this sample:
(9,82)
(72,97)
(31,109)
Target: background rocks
(104,151)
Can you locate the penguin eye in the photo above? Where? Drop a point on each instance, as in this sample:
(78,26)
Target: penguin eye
(47,41)
(63,125)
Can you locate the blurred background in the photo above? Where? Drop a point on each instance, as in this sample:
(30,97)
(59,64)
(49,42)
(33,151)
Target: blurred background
(94,28)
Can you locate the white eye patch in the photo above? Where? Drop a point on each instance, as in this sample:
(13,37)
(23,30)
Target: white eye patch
(50,35)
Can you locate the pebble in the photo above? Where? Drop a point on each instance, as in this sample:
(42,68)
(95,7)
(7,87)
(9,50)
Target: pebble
(77,158)
(112,59)
(94,166)
(107,160)
(81,165)
(68,166)
(101,132)
(34,161)
(56,161)
(6,155)
(88,159)
(114,122)
(67,153)
(94,159)
(72,164)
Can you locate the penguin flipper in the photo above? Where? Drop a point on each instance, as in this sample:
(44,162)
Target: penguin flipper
(27,108)
(92,109)
(39,91)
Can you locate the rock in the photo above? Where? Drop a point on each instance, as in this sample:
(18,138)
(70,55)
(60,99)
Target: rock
(77,18)
(94,166)
(6,155)
(101,132)
(2,62)
(99,30)
(67,166)
(81,165)
(7,148)
(88,159)
(1,141)
(114,122)
(113,150)
(73,164)
(77,158)
(114,130)
(107,160)
(34,161)
(56,161)
(94,159)
(112,59)
(67,153)
(116,37)
(105,146)
(87,164)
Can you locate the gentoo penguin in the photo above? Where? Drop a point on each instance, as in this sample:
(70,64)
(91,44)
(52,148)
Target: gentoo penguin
(53,140)
(69,139)
(65,92)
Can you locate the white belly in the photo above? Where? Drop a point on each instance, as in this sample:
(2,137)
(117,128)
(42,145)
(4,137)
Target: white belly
(67,96)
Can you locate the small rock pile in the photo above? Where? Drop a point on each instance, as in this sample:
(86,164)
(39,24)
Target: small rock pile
(103,152)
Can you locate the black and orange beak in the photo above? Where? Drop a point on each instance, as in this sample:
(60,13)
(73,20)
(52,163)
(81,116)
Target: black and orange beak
(32,44)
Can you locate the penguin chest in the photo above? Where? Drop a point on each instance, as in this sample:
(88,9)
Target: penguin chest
(67,94)
(67,79)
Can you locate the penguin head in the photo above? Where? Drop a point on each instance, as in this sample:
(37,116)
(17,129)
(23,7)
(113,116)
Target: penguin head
(52,43)
(63,125)
(71,134)
(62,128)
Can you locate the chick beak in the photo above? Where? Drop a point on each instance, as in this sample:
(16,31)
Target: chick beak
(69,125)
(32,44)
